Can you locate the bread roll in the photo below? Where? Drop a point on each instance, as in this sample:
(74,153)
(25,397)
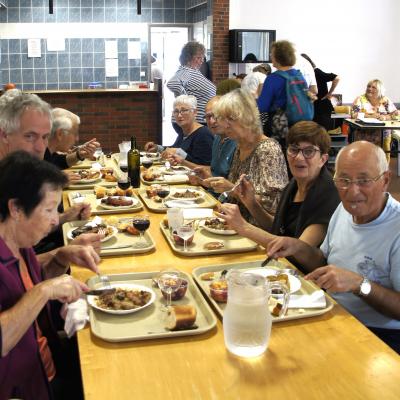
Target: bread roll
(213,245)
(180,317)
(100,192)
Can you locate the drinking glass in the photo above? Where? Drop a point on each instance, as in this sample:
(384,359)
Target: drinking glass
(141,223)
(163,192)
(169,281)
(147,163)
(185,232)
(123,181)
(98,152)
(175,218)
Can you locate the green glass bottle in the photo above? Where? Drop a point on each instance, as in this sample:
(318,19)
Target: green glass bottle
(134,164)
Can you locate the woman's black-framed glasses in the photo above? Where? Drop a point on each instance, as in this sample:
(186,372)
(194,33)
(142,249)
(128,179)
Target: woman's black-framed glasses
(308,152)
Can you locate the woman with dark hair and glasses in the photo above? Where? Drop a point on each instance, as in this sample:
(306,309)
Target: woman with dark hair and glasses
(307,202)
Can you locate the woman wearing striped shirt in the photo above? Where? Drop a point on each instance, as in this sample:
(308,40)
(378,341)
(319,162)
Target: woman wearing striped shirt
(190,81)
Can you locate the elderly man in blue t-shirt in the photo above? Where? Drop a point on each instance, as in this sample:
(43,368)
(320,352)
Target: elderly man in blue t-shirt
(359,260)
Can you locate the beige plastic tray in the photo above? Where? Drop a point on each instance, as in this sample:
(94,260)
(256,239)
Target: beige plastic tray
(232,243)
(121,244)
(307,287)
(171,181)
(90,198)
(148,323)
(91,185)
(85,164)
(208,201)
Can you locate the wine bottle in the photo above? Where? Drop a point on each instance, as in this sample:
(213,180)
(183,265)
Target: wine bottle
(134,164)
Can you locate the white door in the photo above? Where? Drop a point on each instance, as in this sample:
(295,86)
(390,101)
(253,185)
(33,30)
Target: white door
(166,45)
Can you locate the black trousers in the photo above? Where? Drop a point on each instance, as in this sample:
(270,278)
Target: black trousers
(390,336)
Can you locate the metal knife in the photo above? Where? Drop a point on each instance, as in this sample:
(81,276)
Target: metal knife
(117,247)
(98,292)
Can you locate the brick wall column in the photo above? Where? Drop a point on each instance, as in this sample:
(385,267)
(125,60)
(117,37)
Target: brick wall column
(220,45)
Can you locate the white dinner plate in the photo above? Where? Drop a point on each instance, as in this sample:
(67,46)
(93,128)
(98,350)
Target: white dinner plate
(127,286)
(91,180)
(176,170)
(108,237)
(295,283)
(110,207)
(174,191)
(225,232)
(150,156)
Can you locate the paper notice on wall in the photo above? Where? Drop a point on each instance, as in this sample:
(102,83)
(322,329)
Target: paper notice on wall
(55,44)
(111,49)
(34,49)
(111,67)
(134,52)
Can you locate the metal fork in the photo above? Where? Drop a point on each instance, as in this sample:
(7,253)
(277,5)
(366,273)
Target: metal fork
(224,195)
(105,280)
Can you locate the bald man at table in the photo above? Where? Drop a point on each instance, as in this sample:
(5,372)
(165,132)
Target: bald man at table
(359,260)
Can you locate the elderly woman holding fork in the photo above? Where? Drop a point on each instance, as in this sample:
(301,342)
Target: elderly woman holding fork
(257,157)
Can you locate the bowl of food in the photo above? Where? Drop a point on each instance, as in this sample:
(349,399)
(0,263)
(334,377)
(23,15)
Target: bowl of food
(219,290)
(179,293)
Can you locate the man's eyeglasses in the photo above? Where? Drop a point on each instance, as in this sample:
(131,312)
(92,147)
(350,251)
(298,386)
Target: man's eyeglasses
(183,111)
(308,152)
(345,183)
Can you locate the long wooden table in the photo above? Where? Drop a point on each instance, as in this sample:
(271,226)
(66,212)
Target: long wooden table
(332,356)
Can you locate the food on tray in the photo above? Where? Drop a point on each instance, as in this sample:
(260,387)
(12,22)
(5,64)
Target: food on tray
(276,310)
(152,155)
(152,190)
(86,174)
(100,192)
(219,290)
(123,299)
(207,276)
(150,176)
(179,240)
(216,223)
(110,178)
(126,226)
(180,317)
(187,194)
(92,229)
(179,293)
(106,171)
(132,230)
(282,278)
(165,222)
(213,245)
(117,201)
(174,168)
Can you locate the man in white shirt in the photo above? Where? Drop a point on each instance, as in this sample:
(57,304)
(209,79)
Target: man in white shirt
(359,260)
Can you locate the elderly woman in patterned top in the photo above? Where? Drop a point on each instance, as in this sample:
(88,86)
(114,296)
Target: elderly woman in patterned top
(257,157)
(374,104)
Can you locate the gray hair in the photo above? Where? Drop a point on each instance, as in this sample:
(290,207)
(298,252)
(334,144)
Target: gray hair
(251,82)
(189,50)
(382,163)
(9,95)
(64,120)
(12,109)
(190,101)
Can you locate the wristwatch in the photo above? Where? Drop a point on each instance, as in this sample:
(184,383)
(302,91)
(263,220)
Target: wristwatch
(365,288)
(78,156)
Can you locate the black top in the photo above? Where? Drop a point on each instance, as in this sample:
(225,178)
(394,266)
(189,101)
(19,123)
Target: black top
(57,159)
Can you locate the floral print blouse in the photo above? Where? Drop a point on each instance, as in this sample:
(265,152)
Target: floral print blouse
(266,167)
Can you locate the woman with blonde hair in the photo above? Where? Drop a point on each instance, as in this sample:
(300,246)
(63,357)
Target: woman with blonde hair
(257,157)
(374,104)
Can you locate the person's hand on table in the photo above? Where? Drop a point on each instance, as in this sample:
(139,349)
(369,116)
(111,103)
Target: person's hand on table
(89,239)
(203,172)
(283,246)
(168,153)
(231,214)
(218,184)
(174,159)
(335,279)
(81,211)
(72,176)
(151,147)
(64,288)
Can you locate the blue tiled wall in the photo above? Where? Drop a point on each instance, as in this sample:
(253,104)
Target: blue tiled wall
(83,60)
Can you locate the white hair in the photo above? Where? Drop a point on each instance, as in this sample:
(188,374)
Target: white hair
(383,164)
(252,81)
(63,119)
(12,106)
(190,101)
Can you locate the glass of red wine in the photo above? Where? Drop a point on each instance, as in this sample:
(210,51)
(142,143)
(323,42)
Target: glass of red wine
(141,223)
(163,192)
(147,163)
(124,182)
